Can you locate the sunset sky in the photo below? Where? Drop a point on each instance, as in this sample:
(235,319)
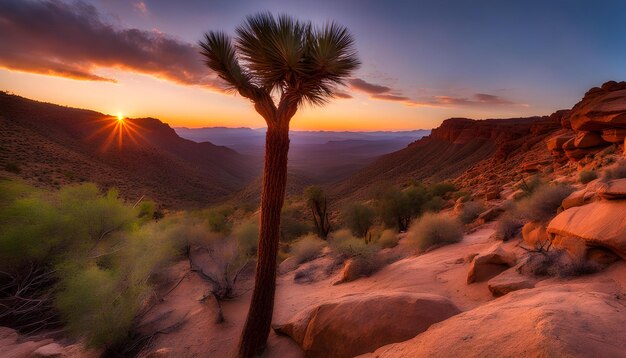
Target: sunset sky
(423,61)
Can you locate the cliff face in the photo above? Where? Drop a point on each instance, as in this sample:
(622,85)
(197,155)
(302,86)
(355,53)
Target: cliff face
(594,123)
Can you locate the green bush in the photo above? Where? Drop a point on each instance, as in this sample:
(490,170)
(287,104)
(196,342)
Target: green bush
(343,243)
(358,218)
(470,212)
(434,230)
(247,235)
(586,176)
(397,207)
(441,189)
(307,248)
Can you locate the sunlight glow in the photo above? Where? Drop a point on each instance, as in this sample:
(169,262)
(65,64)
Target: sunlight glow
(120,117)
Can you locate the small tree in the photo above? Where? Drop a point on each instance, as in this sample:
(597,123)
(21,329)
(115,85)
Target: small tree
(397,207)
(359,218)
(317,202)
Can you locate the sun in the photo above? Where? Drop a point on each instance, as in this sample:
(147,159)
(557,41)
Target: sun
(120,117)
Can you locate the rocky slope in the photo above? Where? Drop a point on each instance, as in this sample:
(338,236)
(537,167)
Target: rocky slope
(50,145)
(452,149)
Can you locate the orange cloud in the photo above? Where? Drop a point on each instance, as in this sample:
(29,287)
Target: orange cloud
(71,40)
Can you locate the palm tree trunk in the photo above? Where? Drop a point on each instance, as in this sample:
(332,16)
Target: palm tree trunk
(257,327)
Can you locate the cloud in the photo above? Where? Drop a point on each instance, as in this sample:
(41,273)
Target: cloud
(341,94)
(370,88)
(72,40)
(141,7)
(478,99)
(391,97)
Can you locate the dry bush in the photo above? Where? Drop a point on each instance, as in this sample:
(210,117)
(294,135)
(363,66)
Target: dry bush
(586,176)
(615,171)
(543,203)
(388,239)
(359,218)
(471,211)
(434,230)
(556,263)
(508,227)
(344,244)
(307,248)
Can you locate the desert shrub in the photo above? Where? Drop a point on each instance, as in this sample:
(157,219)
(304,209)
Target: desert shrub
(218,219)
(470,212)
(543,203)
(343,243)
(246,233)
(307,248)
(615,171)
(508,226)
(556,263)
(442,188)
(359,218)
(529,185)
(586,176)
(292,224)
(434,230)
(388,239)
(94,252)
(434,205)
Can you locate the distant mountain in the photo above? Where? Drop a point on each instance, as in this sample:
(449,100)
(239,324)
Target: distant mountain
(318,156)
(51,145)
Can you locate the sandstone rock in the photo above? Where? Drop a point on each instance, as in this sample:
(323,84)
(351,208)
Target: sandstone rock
(534,234)
(600,110)
(22,349)
(556,142)
(601,223)
(552,321)
(570,144)
(588,140)
(579,153)
(288,265)
(509,281)
(578,198)
(531,167)
(601,256)
(614,135)
(490,264)
(613,190)
(160,353)
(352,270)
(359,324)
(51,350)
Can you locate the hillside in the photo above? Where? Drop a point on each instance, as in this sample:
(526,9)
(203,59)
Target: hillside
(50,145)
(453,148)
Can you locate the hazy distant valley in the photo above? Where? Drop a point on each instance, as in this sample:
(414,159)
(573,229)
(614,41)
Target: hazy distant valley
(318,156)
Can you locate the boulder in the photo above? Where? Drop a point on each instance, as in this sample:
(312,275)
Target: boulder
(600,223)
(613,190)
(358,324)
(51,350)
(614,135)
(490,264)
(579,153)
(569,145)
(588,140)
(552,321)
(600,109)
(489,215)
(578,198)
(509,281)
(289,264)
(556,142)
(535,234)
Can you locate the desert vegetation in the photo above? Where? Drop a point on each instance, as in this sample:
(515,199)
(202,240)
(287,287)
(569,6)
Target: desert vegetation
(433,230)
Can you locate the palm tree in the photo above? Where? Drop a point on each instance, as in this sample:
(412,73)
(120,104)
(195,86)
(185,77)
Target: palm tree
(279,64)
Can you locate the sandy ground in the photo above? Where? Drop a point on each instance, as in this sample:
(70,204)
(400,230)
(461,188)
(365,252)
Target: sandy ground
(442,271)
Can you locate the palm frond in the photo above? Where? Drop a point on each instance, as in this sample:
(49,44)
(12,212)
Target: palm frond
(220,56)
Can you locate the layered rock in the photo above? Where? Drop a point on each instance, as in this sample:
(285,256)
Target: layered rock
(361,323)
(600,223)
(553,321)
